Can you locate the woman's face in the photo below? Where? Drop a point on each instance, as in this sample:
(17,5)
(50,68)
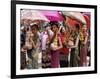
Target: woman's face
(84,29)
(34,31)
(62,30)
(54,28)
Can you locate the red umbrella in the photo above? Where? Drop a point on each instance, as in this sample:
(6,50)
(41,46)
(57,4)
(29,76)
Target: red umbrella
(72,22)
(53,15)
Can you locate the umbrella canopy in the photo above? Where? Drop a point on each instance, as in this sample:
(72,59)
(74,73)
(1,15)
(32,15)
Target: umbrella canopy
(75,15)
(53,15)
(72,22)
(86,13)
(33,15)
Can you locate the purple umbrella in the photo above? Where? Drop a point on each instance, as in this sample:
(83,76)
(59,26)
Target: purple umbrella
(53,15)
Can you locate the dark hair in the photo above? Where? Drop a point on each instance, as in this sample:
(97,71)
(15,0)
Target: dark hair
(54,23)
(27,29)
(77,26)
(64,16)
(35,26)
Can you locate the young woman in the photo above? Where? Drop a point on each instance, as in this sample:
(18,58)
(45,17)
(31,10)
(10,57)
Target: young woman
(32,43)
(83,46)
(35,46)
(74,45)
(55,45)
(64,52)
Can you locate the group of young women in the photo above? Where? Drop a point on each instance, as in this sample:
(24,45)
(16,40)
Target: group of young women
(55,46)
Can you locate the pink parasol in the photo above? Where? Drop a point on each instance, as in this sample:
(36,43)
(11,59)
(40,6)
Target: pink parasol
(33,15)
(53,15)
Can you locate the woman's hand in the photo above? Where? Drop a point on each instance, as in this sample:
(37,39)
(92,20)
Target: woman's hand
(57,47)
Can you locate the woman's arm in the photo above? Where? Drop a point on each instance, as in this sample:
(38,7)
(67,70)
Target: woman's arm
(38,43)
(86,39)
(60,45)
(76,42)
(33,44)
